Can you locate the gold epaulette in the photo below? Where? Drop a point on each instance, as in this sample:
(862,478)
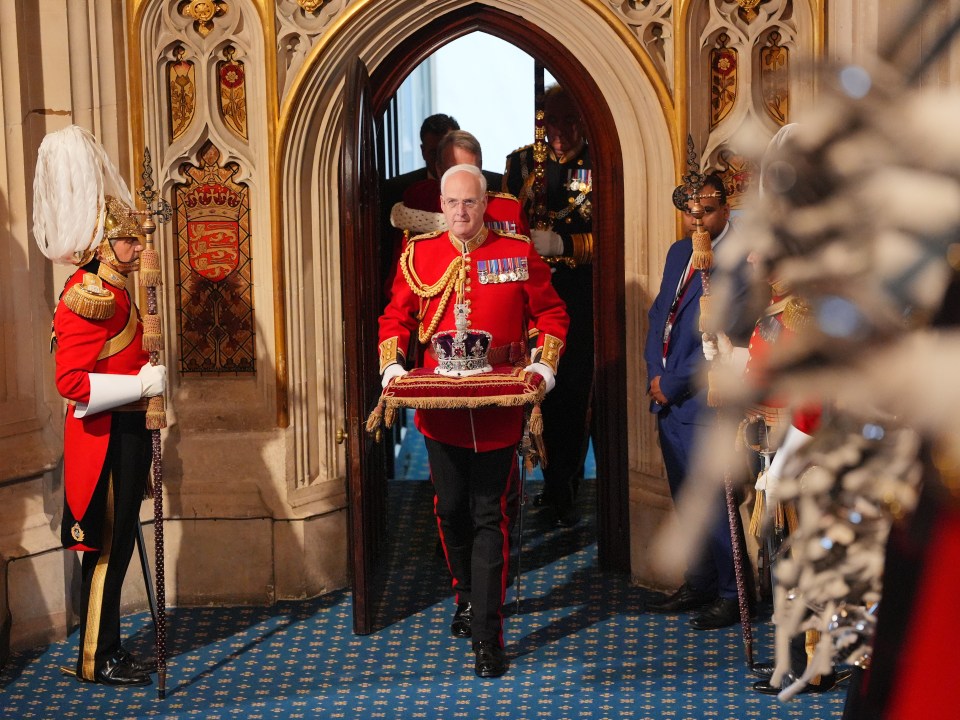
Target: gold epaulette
(426,236)
(90,299)
(504,195)
(796,315)
(522,148)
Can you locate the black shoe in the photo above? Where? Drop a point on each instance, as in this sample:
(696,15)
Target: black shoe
(826,684)
(491,659)
(721,613)
(115,672)
(125,657)
(566,517)
(763,670)
(683,600)
(462,620)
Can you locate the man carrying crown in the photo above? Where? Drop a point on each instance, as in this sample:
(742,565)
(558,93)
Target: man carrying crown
(83,215)
(482,289)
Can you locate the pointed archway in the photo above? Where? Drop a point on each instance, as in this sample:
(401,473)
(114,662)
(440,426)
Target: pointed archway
(610,448)
(629,129)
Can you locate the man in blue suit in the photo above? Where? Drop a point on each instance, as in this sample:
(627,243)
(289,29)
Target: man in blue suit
(674,357)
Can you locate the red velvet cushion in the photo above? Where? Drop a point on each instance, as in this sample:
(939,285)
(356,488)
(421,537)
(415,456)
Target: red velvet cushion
(505,386)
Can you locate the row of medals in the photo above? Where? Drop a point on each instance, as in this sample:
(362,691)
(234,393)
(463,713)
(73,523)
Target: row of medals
(502,270)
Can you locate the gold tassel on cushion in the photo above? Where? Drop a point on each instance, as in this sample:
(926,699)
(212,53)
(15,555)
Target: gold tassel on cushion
(149,272)
(152,338)
(536,421)
(375,418)
(779,521)
(156,413)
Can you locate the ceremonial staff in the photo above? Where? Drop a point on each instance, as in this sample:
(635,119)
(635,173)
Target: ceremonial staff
(702,261)
(151,278)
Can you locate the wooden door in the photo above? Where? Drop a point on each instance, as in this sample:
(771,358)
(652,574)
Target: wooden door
(362,303)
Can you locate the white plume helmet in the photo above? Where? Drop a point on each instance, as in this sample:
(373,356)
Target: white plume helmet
(73,176)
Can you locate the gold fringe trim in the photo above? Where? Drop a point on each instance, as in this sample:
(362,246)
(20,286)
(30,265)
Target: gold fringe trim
(149,274)
(90,299)
(796,315)
(759,510)
(705,309)
(791,518)
(713,395)
(702,250)
(152,337)
(156,413)
(536,420)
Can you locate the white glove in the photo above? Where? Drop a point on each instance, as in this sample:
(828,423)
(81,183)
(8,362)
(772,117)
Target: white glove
(793,441)
(153,380)
(716,346)
(545,372)
(547,242)
(393,370)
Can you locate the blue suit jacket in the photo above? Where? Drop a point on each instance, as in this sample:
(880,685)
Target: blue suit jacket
(679,379)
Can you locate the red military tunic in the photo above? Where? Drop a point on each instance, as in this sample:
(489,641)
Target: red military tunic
(771,330)
(79,344)
(504,309)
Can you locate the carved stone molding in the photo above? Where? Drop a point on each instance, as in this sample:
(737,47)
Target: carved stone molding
(300,24)
(651,22)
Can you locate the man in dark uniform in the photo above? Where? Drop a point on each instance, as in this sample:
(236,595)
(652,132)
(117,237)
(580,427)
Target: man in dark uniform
(560,215)
(105,375)
(447,283)
(432,131)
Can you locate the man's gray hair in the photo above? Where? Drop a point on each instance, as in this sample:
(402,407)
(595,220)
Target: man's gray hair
(463,167)
(463,140)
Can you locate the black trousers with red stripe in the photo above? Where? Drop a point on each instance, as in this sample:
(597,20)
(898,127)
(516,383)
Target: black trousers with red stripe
(471,507)
(121,487)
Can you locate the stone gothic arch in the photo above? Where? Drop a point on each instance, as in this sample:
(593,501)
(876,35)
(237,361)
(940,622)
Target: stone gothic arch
(308,141)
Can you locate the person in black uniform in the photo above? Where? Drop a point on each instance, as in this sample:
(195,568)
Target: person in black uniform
(561,222)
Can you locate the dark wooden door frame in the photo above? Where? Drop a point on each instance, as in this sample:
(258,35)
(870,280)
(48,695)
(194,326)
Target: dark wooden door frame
(359,226)
(613,521)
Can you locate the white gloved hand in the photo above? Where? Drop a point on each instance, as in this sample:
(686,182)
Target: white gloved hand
(390,372)
(153,380)
(547,242)
(793,441)
(716,346)
(709,343)
(545,372)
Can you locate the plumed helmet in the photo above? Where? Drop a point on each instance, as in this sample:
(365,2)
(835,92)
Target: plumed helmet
(74,180)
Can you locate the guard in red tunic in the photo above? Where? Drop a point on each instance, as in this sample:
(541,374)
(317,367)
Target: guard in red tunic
(83,215)
(470,282)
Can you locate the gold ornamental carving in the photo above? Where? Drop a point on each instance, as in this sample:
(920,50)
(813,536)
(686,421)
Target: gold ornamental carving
(203,13)
(723,80)
(182,93)
(747,9)
(775,78)
(232,97)
(311,6)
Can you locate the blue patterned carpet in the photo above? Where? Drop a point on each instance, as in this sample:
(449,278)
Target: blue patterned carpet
(581,646)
